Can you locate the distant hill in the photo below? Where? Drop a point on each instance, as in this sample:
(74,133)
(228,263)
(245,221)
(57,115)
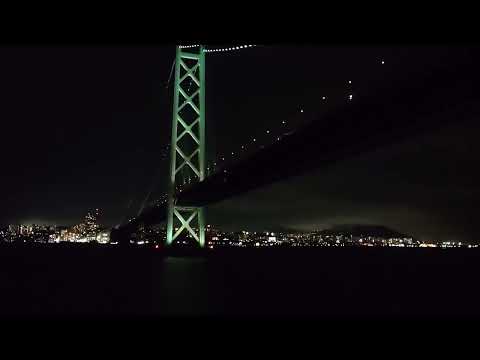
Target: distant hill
(368,230)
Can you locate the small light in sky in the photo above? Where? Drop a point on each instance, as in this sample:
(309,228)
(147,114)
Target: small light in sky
(283,122)
(301,110)
(383,62)
(324,97)
(254,139)
(268,131)
(349,81)
(350,97)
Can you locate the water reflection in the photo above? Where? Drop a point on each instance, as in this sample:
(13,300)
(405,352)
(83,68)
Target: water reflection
(186,287)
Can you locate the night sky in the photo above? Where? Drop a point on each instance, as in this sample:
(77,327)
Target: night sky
(86,128)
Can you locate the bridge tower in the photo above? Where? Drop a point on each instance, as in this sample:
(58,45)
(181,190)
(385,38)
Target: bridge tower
(188,142)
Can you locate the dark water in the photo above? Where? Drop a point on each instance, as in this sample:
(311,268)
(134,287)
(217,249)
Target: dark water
(319,283)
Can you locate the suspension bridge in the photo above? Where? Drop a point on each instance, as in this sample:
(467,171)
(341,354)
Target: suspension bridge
(402,108)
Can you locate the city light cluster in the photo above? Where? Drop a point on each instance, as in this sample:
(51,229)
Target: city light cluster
(85,232)
(154,236)
(219,239)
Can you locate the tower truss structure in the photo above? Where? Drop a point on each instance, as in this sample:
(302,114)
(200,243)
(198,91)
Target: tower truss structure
(187,143)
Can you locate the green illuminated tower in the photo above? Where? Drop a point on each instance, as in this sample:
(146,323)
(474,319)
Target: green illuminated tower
(188,142)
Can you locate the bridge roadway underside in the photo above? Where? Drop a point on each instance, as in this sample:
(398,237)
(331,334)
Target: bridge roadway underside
(448,93)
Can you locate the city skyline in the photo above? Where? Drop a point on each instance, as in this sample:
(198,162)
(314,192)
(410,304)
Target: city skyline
(347,235)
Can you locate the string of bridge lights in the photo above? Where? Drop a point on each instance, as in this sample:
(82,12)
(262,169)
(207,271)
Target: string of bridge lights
(242,150)
(213,166)
(255,142)
(226,49)
(187,46)
(233,48)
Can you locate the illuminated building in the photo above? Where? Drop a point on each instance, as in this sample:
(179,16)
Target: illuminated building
(103,237)
(91,225)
